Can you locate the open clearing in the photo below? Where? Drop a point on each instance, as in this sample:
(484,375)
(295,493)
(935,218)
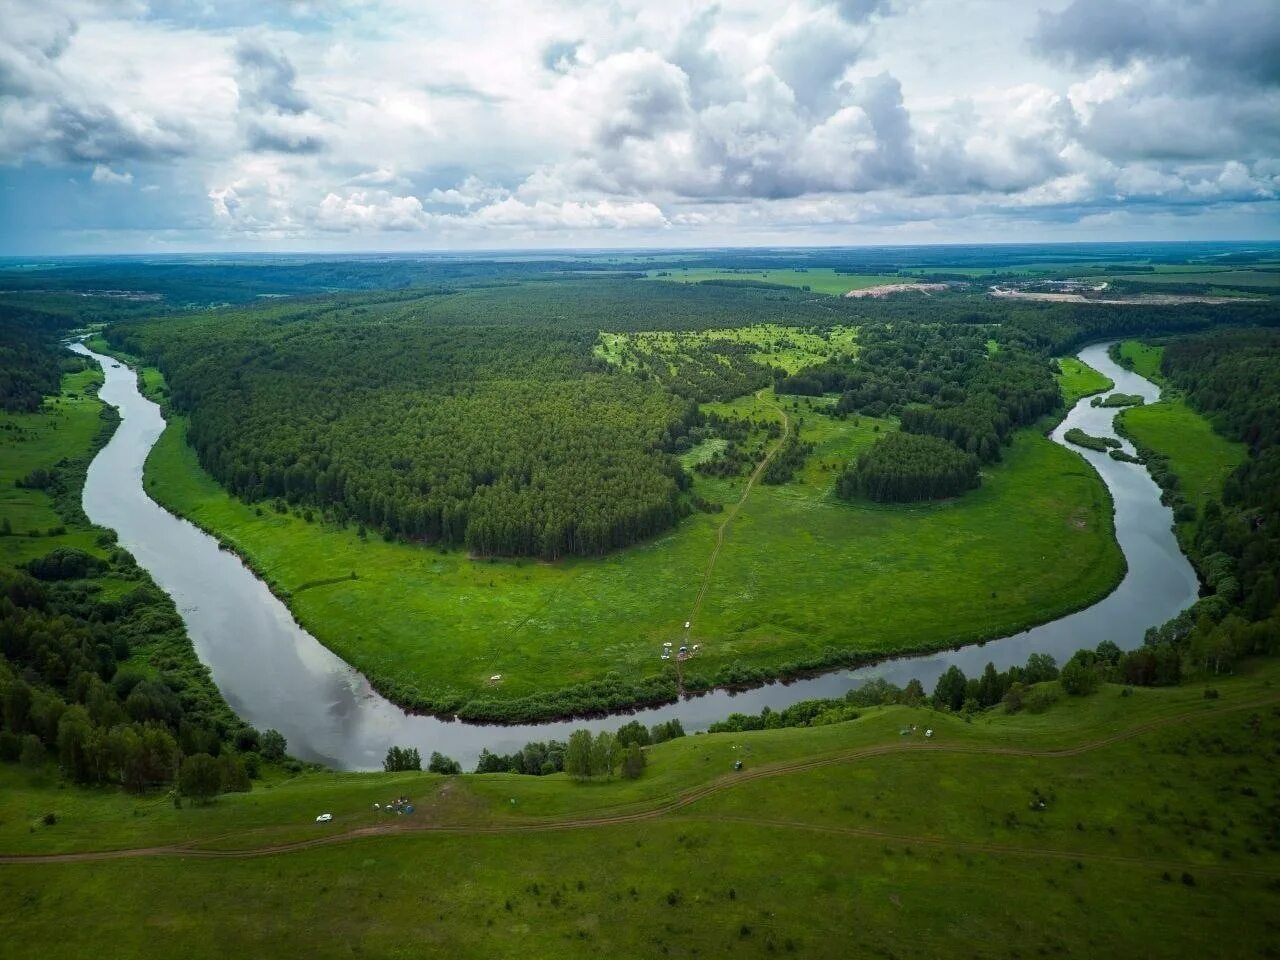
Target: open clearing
(788,347)
(1080,380)
(831,842)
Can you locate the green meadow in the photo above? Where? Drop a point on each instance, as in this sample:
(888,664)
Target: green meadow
(1078,380)
(1200,457)
(1145,358)
(1002,836)
(817,279)
(798,571)
(787,347)
(64,429)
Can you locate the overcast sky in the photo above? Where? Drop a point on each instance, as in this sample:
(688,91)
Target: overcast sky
(409,124)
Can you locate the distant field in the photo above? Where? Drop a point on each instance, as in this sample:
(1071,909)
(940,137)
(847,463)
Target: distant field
(817,279)
(1254,280)
(799,571)
(835,841)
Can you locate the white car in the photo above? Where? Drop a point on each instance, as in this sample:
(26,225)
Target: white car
(324,818)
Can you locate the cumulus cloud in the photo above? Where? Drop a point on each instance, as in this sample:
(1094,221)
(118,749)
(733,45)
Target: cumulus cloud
(661,119)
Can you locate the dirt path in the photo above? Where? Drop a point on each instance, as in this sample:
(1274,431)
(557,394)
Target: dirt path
(680,801)
(733,511)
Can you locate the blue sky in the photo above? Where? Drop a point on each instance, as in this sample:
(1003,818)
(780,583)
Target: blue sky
(128,126)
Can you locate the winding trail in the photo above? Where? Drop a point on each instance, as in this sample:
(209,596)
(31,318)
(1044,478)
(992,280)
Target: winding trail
(733,511)
(667,807)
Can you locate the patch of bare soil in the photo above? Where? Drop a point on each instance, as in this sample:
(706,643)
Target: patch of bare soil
(887,289)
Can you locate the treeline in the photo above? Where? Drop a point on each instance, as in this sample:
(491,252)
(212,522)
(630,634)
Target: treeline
(788,460)
(1233,377)
(109,687)
(539,758)
(31,366)
(942,380)
(905,467)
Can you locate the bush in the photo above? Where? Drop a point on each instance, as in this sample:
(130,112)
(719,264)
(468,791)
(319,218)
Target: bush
(402,758)
(439,763)
(1078,678)
(1039,700)
(199,777)
(65,563)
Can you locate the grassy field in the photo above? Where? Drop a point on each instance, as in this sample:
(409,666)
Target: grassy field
(785,347)
(1146,358)
(1201,457)
(63,429)
(1080,380)
(800,571)
(1253,281)
(1155,840)
(817,279)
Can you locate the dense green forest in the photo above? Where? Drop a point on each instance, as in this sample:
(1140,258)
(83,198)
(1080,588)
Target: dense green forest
(904,467)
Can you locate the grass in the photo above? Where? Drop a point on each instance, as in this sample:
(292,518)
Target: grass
(63,429)
(786,347)
(1201,457)
(818,279)
(1145,357)
(1078,380)
(1253,281)
(888,849)
(800,571)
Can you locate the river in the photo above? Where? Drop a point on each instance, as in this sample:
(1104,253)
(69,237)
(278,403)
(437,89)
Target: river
(275,674)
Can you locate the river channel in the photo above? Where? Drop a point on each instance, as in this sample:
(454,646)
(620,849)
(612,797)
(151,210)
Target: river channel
(275,674)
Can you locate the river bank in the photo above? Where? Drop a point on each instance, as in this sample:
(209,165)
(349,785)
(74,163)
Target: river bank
(276,675)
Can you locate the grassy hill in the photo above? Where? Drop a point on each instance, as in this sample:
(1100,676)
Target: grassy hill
(1007,836)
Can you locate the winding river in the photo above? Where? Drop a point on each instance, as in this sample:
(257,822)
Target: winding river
(275,674)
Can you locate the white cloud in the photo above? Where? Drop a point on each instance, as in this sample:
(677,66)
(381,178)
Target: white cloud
(104,174)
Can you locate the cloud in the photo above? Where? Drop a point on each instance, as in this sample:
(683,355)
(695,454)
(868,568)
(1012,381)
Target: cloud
(370,210)
(274,115)
(663,119)
(810,55)
(104,174)
(860,11)
(1238,38)
(560,56)
(265,78)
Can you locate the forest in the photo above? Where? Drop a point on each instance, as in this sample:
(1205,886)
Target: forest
(485,418)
